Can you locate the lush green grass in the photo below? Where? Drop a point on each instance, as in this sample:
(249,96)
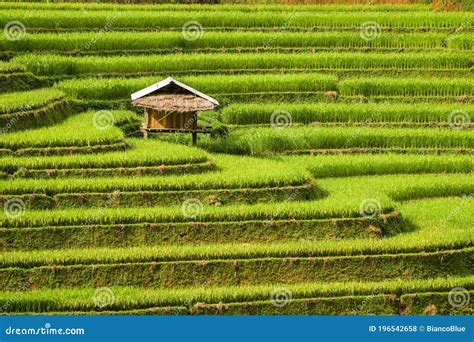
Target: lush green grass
(129,171)
(261,271)
(27,100)
(275,84)
(74,42)
(353,165)
(361,188)
(442,223)
(136,298)
(59,5)
(253,172)
(263,211)
(146,198)
(51,65)
(152,234)
(277,220)
(250,140)
(433,303)
(141,153)
(27,117)
(152,20)
(461,41)
(403,187)
(384,86)
(7,67)
(78,130)
(18,80)
(119,88)
(261,113)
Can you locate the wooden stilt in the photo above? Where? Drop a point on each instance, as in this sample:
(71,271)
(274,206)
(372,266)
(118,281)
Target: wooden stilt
(145,134)
(195,138)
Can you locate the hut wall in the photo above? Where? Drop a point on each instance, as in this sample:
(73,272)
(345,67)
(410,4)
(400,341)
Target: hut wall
(189,120)
(160,119)
(157,119)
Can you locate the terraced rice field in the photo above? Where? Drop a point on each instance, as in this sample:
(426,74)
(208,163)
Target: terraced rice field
(338,178)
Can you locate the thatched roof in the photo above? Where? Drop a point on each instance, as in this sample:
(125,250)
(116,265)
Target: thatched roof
(177,103)
(171,86)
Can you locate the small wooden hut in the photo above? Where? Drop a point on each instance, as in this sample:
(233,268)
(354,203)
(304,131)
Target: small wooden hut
(172,106)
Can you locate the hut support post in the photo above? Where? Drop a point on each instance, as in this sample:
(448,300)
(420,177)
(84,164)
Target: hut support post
(146,124)
(195,138)
(147,118)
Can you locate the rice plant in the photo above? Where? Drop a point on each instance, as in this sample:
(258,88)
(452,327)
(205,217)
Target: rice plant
(153,20)
(119,88)
(463,41)
(337,204)
(434,233)
(139,154)
(384,86)
(317,217)
(252,140)
(128,298)
(353,165)
(116,88)
(28,100)
(253,172)
(52,6)
(85,129)
(8,67)
(62,65)
(74,42)
(261,113)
